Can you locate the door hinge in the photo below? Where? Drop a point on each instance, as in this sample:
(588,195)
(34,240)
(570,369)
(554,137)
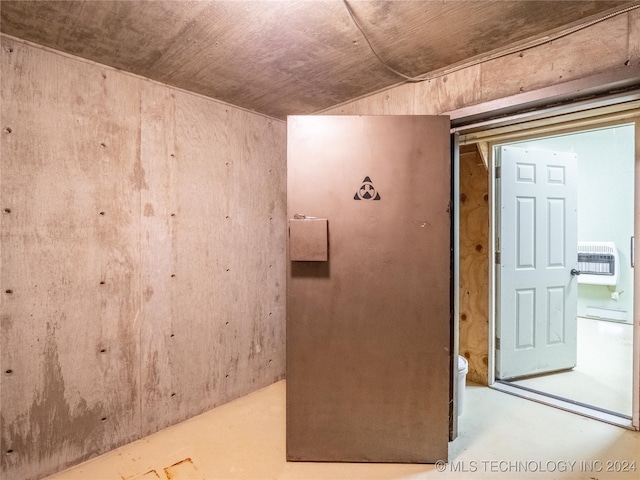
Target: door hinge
(497,258)
(498,172)
(497,343)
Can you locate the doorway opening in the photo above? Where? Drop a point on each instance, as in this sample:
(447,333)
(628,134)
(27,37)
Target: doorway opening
(564,275)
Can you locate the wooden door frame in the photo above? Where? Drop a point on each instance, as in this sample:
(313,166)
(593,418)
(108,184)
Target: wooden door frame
(604,89)
(634,424)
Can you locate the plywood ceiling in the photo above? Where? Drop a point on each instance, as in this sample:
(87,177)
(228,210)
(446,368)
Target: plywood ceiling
(287,57)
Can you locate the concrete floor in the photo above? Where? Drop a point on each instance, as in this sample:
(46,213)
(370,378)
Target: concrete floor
(500,436)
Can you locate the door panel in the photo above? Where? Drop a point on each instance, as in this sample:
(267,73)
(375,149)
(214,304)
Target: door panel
(368,331)
(537,325)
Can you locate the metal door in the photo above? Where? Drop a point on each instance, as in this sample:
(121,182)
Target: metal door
(369,328)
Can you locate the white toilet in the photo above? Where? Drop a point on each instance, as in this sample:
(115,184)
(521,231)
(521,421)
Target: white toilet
(463,369)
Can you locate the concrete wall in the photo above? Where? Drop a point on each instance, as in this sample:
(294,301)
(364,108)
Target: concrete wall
(143,257)
(143,240)
(598,49)
(611,44)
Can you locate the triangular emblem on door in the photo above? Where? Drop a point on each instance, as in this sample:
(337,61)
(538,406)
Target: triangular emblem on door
(367,191)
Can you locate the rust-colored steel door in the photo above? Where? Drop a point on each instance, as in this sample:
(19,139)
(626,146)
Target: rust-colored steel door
(369,319)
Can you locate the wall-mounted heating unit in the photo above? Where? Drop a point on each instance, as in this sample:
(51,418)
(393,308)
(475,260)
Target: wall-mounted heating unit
(598,263)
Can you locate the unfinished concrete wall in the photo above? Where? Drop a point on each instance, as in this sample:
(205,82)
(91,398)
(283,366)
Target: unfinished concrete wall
(143,257)
(611,44)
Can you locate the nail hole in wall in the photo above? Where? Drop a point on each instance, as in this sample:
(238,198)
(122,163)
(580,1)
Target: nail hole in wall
(101,213)
(7,210)
(8,130)
(9,291)
(9,372)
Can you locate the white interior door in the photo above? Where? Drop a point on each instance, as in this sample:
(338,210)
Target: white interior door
(536,318)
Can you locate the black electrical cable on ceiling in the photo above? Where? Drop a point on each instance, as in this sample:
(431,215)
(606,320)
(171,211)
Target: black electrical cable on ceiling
(364,35)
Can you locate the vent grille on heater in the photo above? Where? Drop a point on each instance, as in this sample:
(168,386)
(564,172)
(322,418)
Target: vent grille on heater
(598,263)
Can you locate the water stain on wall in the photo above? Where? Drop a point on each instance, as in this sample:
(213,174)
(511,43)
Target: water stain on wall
(51,423)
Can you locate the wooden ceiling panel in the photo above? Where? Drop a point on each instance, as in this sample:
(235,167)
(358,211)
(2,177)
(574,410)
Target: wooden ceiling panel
(286,57)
